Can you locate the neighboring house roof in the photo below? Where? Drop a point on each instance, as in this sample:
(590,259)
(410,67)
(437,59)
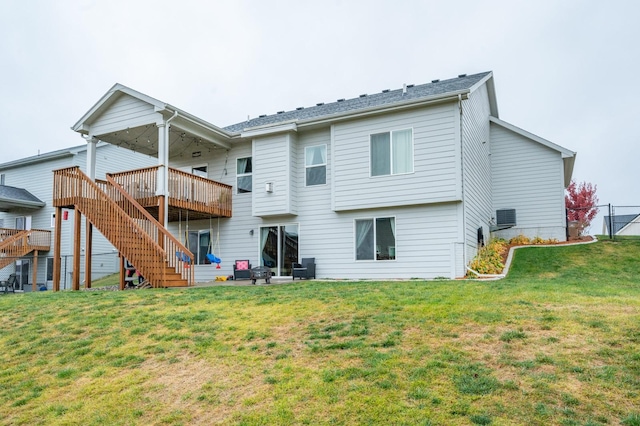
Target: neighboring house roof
(620,222)
(568,156)
(53,155)
(11,198)
(462,84)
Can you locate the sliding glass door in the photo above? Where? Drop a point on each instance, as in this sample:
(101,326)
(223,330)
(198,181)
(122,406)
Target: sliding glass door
(279,248)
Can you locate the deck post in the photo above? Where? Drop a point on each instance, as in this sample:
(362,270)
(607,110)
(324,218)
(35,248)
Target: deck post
(122,270)
(34,282)
(56,249)
(77,240)
(87,255)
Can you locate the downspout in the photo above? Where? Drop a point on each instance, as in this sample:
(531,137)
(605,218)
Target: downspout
(464,216)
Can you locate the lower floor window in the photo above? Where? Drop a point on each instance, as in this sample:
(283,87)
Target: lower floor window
(376,239)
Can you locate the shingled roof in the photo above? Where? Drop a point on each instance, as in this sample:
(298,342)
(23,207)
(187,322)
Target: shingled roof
(619,221)
(17,197)
(386,97)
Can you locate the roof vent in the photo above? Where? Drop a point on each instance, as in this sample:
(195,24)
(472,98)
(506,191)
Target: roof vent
(461,75)
(385,90)
(340,100)
(262,116)
(435,81)
(363,95)
(299,108)
(320,104)
(280,112)
(410,85)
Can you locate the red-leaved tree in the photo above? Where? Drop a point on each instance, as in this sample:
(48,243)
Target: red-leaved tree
(581,202)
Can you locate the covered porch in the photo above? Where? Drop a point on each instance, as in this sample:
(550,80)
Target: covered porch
(132,120)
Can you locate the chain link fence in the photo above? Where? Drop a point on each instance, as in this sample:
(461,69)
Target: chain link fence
(102,264)
(612,221)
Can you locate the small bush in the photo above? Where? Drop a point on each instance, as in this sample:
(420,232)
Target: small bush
(538,240)
(519,240)
(489,258)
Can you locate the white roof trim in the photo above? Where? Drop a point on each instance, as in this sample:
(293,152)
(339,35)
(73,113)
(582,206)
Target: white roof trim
(190,121)
(564,151)
(568,156)
(631,222)
(491,90)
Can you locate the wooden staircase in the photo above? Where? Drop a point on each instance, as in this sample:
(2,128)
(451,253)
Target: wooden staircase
(15,243)
(155,253)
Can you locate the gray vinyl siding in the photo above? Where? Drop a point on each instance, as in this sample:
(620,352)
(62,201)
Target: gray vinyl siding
(126,111)
(476,168)
(272,161)
(435,176)
(528,176)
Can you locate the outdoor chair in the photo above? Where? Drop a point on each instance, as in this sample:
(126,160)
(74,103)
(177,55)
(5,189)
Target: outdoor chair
(306,269)
(241,270)
(10,283)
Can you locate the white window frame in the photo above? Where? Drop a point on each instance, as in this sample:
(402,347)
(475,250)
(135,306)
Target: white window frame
(239,175)
(391,142)
(375,242)
(306,167)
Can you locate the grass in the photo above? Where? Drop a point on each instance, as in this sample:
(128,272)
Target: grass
(555,343)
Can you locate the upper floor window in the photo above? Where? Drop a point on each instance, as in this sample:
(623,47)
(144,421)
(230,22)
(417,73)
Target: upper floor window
(392,153)
(316,165)
(243,173)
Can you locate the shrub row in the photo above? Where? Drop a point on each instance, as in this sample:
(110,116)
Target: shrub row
(489,259)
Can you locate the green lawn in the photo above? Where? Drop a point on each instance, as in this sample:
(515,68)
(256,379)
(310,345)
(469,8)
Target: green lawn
(555,343)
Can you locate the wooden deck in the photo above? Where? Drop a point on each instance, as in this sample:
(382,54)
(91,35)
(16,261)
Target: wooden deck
(200,197)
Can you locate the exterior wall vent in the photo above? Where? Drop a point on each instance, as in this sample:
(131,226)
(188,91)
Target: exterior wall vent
(506,217)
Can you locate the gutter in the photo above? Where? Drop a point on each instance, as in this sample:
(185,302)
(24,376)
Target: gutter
(347,115)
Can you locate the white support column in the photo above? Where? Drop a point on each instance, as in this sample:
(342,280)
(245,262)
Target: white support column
(163,170)
(91,157)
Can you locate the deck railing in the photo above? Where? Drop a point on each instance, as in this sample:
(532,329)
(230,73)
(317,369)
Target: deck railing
(186,191)
(15,243)
(126,224)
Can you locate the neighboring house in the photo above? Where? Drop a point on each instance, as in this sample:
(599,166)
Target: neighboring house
(624,224)
(399,184)
(26,193)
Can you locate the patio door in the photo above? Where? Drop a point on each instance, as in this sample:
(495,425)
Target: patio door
(279,248)
(22,273)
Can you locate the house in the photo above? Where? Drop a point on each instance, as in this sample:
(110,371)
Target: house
(398,184)
(622,224)
(27,214)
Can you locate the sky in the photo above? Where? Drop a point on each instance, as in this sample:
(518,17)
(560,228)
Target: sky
(563,70)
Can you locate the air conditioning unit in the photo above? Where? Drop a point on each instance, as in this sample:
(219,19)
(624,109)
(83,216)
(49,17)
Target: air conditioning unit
(505,218)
